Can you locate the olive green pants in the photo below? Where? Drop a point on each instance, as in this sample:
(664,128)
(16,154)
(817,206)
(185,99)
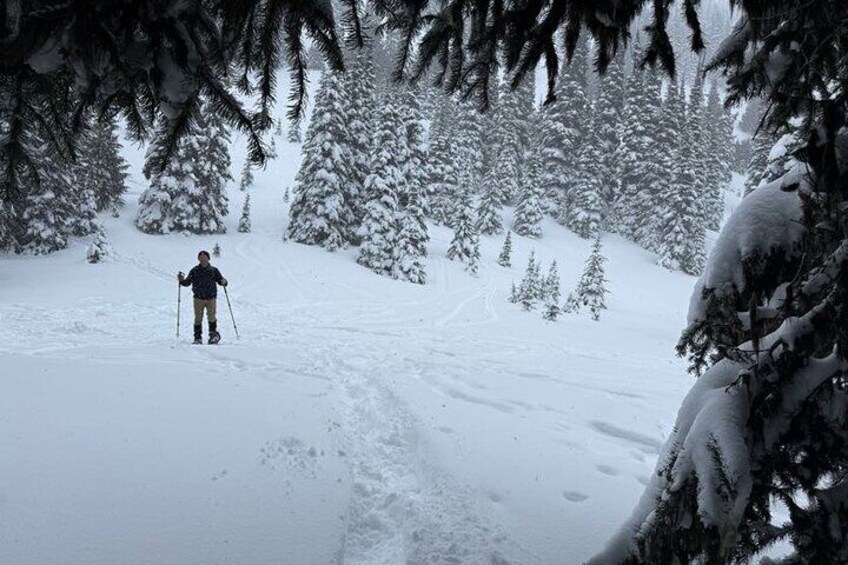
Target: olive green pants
(210,306)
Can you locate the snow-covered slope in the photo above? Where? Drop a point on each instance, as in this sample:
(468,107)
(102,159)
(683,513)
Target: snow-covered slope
(357,420)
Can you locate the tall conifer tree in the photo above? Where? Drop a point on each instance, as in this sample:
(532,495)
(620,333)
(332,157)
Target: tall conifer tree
(320,212)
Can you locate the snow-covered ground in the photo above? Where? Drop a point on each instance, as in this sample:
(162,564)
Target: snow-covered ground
(357,420)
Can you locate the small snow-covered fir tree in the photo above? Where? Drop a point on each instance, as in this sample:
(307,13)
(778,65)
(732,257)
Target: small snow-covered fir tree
(100,166)
(293,133)
(47,212)
(532,286)
(216,250)
(154,204)
(465,246)
(552,294)
(412,240)
(246,181)
(272,149)
(531,200)
(720,153)
(591,291)
(514,297)
(443,170)
(360,107)
(244,221)
(708,180)
(470,157)
(189,195)
(416,145)
(202,207)
(320,212)
(379,229)
(562,128)
(637,155)
(505,176)
(83,205)
(98,249)
(584,214)
(505,257)
(681,224)
(607,125)
(489,219)
(286,195)
(412,231)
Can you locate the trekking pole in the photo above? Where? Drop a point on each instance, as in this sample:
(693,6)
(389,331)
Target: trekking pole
(233,318)
(179,300)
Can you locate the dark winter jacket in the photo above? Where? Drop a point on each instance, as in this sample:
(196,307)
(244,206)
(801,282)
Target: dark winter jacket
(202,281)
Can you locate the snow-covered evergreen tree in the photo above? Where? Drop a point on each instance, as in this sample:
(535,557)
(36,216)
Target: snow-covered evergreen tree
(98,249)
(552,294)
(202,207)
(469,157)
(386,179)
(505,257)
(272,148)
(47,212)
(562,128)
(707,181)
(320,212)
(465,245)
(530,208)
(293,133)
(532,286)
(607,124)
(719,155)
(443,170)
(591,291)
(513,294)
(244,221)
(189,195)
(360,107)
(505,175)
(101,168)
(45,206)
(681,223)
(246,181)
(412,238)
(489,213)
(83,203)
(416,145)
(638,156)
(585,210)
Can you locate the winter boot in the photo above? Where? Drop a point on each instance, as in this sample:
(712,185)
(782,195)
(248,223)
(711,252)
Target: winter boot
(214,336)
(198,334)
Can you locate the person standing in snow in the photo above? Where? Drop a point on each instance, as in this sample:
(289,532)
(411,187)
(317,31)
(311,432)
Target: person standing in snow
(203,280)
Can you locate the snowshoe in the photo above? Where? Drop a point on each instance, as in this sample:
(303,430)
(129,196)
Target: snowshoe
(214,338)
(197,341)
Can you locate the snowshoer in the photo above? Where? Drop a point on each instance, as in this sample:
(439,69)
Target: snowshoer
(203,280)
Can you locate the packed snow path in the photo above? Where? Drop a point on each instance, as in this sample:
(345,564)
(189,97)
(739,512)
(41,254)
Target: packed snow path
(358,419)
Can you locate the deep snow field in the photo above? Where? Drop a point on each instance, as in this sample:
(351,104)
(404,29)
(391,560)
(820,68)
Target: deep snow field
(357,420)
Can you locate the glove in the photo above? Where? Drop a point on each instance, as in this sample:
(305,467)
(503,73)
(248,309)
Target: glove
(180,276)
(223,282)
